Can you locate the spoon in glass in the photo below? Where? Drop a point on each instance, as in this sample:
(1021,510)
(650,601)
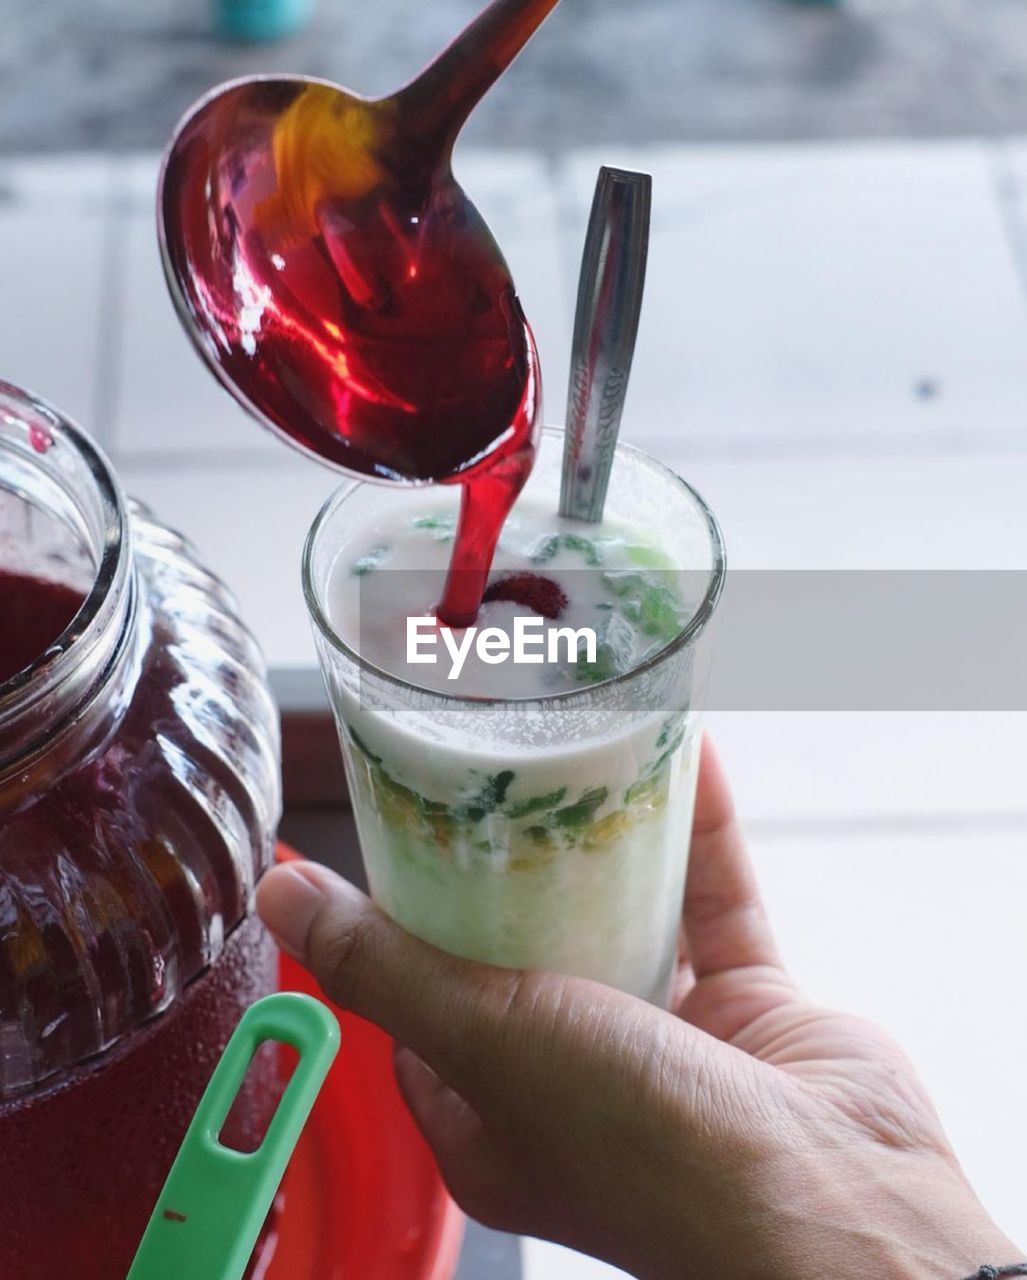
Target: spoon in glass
(605,331)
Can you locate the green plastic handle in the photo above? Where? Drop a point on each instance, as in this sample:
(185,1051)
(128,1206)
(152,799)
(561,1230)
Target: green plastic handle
(215,1200)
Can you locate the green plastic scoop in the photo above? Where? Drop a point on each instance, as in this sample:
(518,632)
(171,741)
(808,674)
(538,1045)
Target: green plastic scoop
(215,1201)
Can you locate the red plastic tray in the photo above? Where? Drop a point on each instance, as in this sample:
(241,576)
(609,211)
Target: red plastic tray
(363,1196)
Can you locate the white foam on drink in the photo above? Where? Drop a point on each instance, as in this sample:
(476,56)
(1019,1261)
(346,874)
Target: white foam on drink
(394,569)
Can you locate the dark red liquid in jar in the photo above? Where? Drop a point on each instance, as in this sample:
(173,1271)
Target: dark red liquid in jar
(92,833)
(33,613)
(83,1163)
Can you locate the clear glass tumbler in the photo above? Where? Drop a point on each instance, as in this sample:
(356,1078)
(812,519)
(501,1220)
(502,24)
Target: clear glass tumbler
(573,857)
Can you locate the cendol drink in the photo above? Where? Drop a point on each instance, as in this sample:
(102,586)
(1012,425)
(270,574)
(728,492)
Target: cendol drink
(525,814)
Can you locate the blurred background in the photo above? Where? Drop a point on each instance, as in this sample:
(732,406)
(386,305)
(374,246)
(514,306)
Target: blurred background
(833,350)
(111,74)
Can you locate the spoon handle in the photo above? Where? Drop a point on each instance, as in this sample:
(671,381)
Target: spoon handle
(605,328)
(445,92)
(215,1199)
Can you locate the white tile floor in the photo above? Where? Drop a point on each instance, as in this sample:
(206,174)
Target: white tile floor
(165,406)
(55,253)
(834,350)
(800,295)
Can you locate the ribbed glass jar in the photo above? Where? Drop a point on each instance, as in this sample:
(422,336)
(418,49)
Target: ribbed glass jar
(139,797)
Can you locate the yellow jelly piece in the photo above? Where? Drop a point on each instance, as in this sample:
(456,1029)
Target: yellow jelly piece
(606,830)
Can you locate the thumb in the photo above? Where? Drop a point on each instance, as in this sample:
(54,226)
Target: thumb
(496,1036)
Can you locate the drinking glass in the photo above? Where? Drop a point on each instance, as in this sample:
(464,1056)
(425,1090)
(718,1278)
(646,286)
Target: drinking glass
(543,832)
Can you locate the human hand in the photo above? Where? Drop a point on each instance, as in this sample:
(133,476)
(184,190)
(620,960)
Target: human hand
(745,1133)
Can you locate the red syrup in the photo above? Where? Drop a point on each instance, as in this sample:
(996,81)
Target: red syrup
(83,1162)
(487,499)
(344,287)
(532,590)
(33,613)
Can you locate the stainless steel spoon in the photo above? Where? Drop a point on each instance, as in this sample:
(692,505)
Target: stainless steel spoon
(605,329)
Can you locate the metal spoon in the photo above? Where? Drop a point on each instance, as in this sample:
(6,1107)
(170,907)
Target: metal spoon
(335,277)
(605,329)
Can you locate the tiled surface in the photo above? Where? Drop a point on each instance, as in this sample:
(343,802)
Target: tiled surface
(61,183)
(165,403)
(249,528)
(842,300)
(874,772)
(919,510)
(1011,163)
(797,298)
(53,256)
(545,1261)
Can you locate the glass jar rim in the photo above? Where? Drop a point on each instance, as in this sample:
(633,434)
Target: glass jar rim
(112,550)
(566,697)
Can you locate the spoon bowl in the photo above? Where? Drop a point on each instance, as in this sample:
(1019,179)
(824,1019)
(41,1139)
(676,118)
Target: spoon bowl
(335,276)
(346,293)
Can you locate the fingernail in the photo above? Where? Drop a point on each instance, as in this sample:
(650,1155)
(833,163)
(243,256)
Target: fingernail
(287,901)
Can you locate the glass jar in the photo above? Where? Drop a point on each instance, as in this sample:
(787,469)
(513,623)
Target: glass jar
(139,798)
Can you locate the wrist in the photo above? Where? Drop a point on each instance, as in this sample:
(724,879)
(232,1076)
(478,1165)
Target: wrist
(893,1215)
(936,1226)
(965,1230)
(992,1272)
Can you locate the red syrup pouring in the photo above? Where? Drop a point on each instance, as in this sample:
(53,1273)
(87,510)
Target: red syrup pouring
(343,287)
